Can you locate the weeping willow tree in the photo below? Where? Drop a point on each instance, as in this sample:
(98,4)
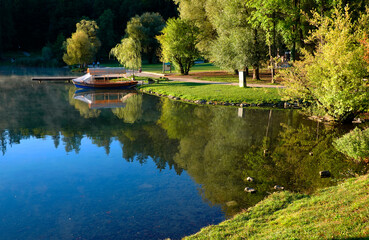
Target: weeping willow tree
(128,53)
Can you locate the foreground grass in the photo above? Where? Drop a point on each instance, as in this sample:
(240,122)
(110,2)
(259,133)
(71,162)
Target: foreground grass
(339,212)
(215,92)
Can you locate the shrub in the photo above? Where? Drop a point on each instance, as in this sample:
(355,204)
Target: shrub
(331,78)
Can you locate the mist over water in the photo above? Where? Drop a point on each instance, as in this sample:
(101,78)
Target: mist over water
(122,165)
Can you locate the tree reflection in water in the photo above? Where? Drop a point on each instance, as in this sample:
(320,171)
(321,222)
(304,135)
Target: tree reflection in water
(218,147)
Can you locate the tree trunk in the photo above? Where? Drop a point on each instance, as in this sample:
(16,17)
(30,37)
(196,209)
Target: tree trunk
(188,64)
(257,56)
(255,73)
(293,51)
(271,63)
(186,68)
(272,50)
(295,31)
(246,71)
(181,69)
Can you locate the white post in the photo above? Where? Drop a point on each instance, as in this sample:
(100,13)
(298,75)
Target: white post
(242,78)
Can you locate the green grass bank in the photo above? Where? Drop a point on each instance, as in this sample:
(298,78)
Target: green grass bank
(214,93)
(339,212)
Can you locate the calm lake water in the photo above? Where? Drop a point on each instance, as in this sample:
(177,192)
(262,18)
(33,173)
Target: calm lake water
(122,165)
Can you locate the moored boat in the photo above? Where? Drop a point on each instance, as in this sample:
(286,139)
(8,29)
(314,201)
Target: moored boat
(105,84)
(88,81)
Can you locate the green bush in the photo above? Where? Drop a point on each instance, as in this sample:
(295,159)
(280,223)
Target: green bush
(332,76)
(354,144)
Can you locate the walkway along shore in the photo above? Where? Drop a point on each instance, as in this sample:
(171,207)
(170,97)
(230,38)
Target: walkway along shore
(193,80)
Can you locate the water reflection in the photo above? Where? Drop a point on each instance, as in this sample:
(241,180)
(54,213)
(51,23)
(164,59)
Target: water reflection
(216,146)
(219,147)
(108,98)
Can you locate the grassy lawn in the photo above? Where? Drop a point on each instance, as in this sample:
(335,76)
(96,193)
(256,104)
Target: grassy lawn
(155,68)
(340,212)
(223,76)
(229,78)
(215,92)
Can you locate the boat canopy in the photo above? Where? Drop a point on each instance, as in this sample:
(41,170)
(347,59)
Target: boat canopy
(82,78)
(106,71)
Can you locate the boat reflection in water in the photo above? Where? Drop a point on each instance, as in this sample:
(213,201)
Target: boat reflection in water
(104,98)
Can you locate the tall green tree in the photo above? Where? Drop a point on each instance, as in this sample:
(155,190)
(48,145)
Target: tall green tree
(264,14)
(332,76)
(178,44)
(144,28)
(239,49)
(91,29)
(285,18)
(245,42)
(83,45)
(196,11)
(79,49)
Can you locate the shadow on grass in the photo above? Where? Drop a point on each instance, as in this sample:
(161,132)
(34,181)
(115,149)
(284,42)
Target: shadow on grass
(357,238)
(187,84)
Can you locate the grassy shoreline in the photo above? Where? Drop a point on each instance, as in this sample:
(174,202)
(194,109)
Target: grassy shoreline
(339,212)
(216,94)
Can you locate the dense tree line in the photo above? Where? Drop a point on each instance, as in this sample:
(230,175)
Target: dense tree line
(28,25)
(244,33)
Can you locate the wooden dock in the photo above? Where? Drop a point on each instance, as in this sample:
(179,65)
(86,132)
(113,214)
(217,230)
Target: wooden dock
(70,78)
(52,79)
